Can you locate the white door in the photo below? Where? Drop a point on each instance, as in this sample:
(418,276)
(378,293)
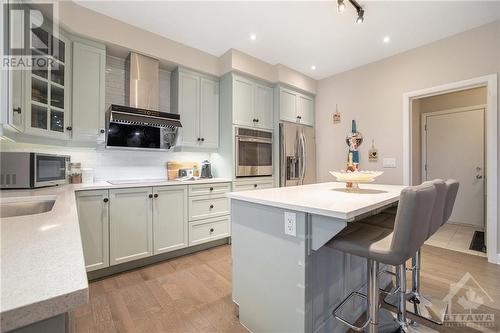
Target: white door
(263,106)
(170,226)
(131,224)
(93,208)
(243,102)
(209,113)
(189,99)
(454,148)
(288,105)
(305,110)
(88,92)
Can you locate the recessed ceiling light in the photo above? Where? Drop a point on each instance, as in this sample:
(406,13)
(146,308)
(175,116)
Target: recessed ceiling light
(313,68)
(253,36)
(387,39)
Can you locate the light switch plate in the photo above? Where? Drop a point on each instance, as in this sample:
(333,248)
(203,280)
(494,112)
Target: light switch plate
(389,162)
(291,224)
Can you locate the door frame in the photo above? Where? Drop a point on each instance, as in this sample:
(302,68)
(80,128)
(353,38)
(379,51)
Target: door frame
(423,141)
(491,145)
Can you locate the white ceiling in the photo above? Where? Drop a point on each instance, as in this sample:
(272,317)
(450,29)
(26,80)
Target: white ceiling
(302,34)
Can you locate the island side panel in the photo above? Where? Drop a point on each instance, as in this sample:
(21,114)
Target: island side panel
(268,268)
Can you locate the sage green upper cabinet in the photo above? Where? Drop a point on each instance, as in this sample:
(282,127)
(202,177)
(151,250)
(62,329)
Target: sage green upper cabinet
(195,97)
(93,217)
(48,88)
(16,100)
(296,107)
(89,62)
(130,224)
(170,226)
(252,103)
(264,106)
(305,109)
(243,102)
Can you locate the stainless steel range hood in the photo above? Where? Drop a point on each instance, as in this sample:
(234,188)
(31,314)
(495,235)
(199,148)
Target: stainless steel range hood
(144,83)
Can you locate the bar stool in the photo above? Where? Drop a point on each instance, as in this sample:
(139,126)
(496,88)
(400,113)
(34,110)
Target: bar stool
(391,247)
(433,310)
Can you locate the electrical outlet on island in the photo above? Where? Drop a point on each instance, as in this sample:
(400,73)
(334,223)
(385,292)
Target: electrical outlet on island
(291,224)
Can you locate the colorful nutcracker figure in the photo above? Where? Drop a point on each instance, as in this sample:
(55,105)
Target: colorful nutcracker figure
(353,140)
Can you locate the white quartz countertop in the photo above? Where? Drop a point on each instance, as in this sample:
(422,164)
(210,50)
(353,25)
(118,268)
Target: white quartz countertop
(42,266)
(327,199)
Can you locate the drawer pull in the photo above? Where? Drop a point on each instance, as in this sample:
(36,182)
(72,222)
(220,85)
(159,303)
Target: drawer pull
(211,189)
(211,206)
(212,230)
(254,185)
(156,195)
(106,200)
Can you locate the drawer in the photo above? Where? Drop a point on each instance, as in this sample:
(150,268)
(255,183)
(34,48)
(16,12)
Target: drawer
(208,230)
(208,206)
(253,185)
(205,189)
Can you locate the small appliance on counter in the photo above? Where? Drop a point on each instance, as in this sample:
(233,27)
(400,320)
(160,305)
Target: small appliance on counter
(87,175)
(75,173)
(21,170)
(206,169)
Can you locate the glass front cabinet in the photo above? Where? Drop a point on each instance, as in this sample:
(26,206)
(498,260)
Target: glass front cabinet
(48,86)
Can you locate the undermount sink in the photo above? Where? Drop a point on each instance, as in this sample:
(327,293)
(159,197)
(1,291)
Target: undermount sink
(11,207)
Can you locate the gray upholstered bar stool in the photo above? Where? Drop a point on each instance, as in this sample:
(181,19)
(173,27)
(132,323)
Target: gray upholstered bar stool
(433,310)
(391,247)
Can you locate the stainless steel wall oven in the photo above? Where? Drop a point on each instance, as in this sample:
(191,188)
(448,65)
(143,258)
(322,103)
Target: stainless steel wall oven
(254,153)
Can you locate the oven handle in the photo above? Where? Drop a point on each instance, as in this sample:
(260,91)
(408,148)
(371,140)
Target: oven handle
(250,139)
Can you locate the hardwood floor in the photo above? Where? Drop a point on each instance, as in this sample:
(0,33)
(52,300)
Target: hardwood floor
(193,294)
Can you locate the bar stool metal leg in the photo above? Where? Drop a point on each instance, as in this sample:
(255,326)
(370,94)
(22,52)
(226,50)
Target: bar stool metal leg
(427,308)
(373,296)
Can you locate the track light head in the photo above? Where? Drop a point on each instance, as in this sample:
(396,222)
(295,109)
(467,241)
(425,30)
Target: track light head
(361,16)
(340,6)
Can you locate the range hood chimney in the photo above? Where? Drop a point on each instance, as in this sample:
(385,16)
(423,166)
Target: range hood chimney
(144,84)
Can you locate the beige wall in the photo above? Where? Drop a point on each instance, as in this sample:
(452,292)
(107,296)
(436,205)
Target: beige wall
(122,37)
(459,99)
(373,95)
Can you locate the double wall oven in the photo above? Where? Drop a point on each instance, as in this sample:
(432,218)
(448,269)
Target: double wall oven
(254,152)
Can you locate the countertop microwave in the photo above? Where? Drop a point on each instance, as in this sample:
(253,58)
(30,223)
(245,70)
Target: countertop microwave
(22,170)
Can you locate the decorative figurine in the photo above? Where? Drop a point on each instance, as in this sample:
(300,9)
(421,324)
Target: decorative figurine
(354,140)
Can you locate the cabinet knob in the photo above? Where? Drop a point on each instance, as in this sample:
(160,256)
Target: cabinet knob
(156,195)
(211,189)
(254,120)
(257,120)
(212,230)
(254,185)
(69,128)
(211,206)
(150,196)
(199,139)
(106,200)
(202,139)
(102,130)
(17,110)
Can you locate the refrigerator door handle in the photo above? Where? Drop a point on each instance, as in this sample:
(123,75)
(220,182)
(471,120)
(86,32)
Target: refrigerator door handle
(302,158)
(282,162)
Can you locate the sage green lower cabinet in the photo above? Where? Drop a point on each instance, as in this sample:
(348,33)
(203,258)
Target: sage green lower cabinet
(131,224)
(93,216)
(170,226)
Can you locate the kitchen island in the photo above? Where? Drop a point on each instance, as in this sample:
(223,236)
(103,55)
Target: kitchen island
(284,278)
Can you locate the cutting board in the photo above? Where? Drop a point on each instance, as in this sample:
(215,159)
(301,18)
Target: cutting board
(174,166)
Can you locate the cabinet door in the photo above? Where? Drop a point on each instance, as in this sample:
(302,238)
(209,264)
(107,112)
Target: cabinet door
(209,113)
(264,106)
(170,226)
(88,92)
(288,105)
(243,101)
(93,216)
(16,91)
(189,101)
(131,224)
(305,110)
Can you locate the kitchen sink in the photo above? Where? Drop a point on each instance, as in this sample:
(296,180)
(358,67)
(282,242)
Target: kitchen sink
(11,207)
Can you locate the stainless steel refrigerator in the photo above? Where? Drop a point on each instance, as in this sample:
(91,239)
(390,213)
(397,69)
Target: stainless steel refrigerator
(297,155)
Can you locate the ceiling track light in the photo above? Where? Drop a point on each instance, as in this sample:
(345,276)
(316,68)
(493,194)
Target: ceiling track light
(361,12)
